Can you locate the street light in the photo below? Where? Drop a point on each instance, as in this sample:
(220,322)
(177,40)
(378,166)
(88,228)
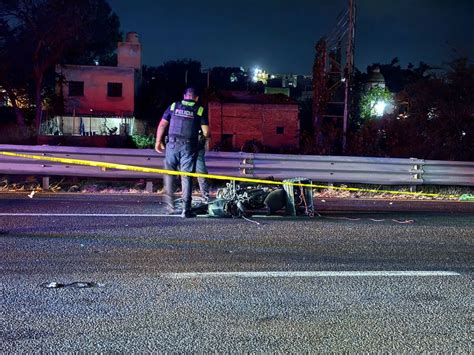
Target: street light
(256,72)
(379,108)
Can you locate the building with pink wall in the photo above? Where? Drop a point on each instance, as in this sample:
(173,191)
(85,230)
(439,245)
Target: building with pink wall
(98,90)
(99,100)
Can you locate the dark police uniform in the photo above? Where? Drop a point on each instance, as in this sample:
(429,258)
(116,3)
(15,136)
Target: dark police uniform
(185,120)
(201,168)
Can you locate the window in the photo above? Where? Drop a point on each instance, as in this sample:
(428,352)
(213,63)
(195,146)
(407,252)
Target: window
(227,141)
(114,89)
(280,130)
(76,88)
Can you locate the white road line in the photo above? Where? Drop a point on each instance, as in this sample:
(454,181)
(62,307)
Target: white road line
(85,215)
(270,274)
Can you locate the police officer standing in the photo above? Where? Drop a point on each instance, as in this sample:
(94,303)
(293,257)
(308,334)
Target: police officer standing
(185,119)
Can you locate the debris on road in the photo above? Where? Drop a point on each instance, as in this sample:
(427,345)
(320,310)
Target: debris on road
(77,284)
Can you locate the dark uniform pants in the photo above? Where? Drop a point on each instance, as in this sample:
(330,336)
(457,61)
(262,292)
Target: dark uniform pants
(202,169)
(180,155)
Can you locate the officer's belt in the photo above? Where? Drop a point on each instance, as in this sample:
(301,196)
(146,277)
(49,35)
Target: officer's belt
(178,139)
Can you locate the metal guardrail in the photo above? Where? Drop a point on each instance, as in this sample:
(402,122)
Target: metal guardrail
(218,163)
(330,169)
(438,172)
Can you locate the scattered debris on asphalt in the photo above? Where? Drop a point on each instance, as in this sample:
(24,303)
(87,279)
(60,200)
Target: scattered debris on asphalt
(77,284)
(32,185)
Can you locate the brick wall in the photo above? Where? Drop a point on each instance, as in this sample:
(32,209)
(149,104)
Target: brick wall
(274,125)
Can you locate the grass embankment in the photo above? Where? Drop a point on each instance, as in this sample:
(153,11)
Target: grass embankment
(76,185)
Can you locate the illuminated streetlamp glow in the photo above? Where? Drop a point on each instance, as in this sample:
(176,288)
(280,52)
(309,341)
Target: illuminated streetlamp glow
(257,72)
(379,108)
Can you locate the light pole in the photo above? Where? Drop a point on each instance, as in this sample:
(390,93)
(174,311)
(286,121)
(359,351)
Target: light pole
(348,71)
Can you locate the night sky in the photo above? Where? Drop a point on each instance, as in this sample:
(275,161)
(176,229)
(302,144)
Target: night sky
(279,35)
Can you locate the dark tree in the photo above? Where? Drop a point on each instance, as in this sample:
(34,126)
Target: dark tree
(51,30)
(165,84)
(13,77)
(441,113)
(437,125)
(227,78)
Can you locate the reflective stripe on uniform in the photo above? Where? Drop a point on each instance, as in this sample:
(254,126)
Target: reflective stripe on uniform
(188,103)
(200,111)
(172,106)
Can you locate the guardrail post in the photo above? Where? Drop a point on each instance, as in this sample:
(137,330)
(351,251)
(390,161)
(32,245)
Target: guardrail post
(149,186)
(45,183)
(247,165)
(417,170)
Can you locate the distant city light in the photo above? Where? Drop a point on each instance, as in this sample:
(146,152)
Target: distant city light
(256,71)
(259,75)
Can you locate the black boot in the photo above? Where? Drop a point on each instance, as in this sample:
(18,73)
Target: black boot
(188,214)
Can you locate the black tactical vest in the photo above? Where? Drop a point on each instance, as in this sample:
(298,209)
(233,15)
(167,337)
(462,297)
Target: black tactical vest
(185,120)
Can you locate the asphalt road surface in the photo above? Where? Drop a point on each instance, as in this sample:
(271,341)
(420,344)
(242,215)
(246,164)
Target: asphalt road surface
(113,274)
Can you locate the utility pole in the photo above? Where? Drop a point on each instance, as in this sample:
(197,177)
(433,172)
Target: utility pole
(332,80)
(348,71)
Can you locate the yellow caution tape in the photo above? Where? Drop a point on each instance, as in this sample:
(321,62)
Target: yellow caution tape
(210,176)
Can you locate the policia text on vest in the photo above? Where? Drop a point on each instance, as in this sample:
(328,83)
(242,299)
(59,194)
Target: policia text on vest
(184,120)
